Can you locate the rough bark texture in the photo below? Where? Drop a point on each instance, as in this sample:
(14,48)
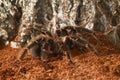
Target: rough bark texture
(21,20)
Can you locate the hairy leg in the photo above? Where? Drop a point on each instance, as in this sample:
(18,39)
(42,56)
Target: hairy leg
(68,55)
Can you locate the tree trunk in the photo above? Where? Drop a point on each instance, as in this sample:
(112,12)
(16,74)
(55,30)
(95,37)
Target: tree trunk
(21,20)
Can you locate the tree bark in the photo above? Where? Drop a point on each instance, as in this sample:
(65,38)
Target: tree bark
(21,20)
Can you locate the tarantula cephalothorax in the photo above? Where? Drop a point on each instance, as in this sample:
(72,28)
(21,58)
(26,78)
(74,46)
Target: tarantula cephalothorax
(63,41)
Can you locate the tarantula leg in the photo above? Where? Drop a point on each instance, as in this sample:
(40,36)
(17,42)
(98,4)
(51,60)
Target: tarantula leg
(68,55)
(88,31)
(25,51)
(45,51)
(95,36)
(44,55)
(81,42)
(23,54)
(92,49)
(83,49)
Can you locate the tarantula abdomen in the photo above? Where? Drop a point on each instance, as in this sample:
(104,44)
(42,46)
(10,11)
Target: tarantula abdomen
(35,50)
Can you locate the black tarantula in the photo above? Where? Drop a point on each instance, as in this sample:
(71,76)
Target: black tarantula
(63,41)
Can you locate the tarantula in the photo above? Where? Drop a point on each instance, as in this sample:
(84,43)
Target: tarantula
(63,41)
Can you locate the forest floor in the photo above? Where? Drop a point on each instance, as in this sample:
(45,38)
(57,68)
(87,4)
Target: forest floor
(87,66)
